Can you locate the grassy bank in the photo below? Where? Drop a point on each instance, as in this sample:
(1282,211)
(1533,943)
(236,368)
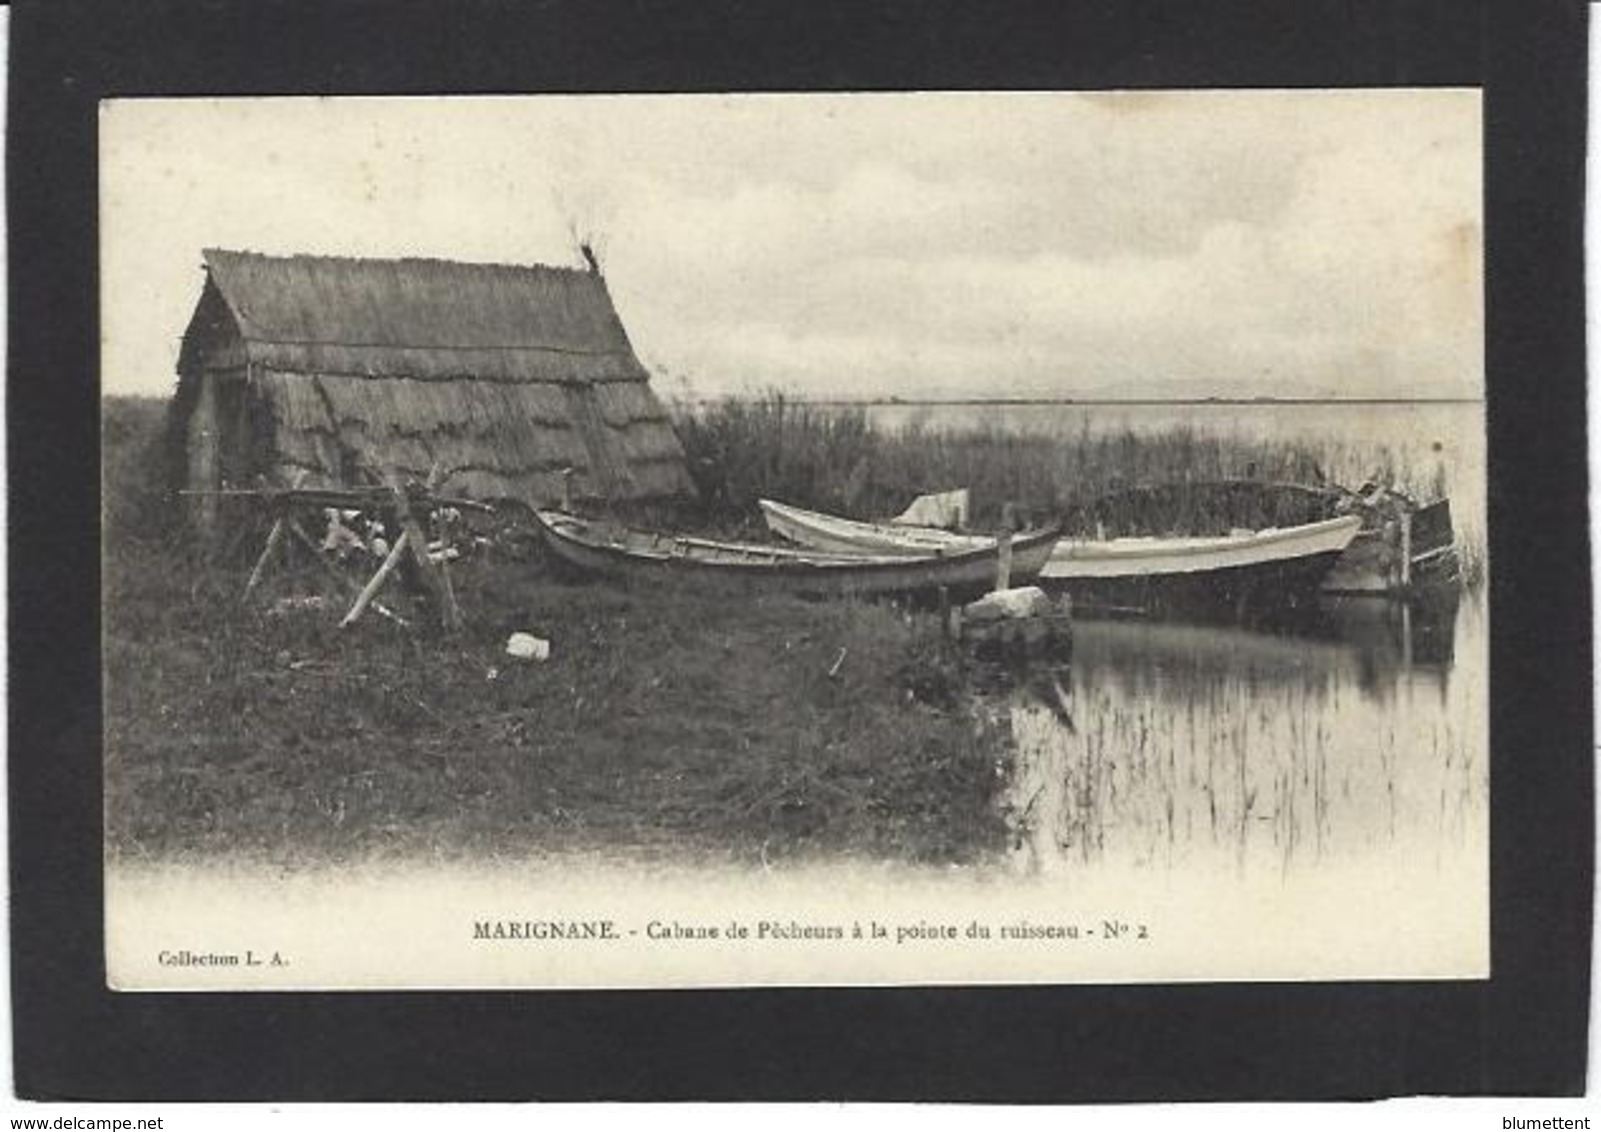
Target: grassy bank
(665,721)
(661,721)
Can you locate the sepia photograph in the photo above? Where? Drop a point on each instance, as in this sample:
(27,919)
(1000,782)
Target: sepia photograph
(865,539)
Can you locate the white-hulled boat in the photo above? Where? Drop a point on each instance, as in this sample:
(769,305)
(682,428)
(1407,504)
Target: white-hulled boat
(1404,549)
(1275,565)
(625,552)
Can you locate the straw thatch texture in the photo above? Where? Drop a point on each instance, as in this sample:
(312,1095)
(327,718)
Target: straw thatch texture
(424,318)
(503,376)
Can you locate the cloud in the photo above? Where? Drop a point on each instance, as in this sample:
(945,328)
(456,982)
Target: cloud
(1280,242)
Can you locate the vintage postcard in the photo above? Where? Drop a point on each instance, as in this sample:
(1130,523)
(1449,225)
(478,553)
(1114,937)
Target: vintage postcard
(848,539)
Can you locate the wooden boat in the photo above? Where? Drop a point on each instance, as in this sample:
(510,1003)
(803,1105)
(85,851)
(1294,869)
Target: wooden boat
(1137,573)
(628,553)
(1403,549)
(834,535)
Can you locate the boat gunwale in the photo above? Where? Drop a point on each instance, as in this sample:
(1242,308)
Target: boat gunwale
(1142,546)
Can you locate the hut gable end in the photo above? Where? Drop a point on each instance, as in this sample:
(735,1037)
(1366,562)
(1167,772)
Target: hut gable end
(493,372)
(212,339)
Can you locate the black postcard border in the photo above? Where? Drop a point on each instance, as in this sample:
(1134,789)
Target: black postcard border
(1521,1033)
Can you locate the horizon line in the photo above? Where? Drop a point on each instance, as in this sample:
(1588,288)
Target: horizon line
(893,400)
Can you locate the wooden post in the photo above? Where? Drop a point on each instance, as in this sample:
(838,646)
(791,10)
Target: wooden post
(371,589)
(945,612)
(449,612)
(1406,549)
(274,537)
(1003,563)
(452,613)
(567,490)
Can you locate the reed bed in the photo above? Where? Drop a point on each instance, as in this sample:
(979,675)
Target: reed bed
(830,458)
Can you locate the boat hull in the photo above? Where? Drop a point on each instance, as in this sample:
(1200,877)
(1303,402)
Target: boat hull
(1274,567)
(746,569)
(1237,592)
(1074,561)
(1371,565)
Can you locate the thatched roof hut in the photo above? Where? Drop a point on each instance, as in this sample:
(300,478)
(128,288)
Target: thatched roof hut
(335,370)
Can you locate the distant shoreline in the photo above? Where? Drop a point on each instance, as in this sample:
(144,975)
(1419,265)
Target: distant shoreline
(923,403)
(938,402)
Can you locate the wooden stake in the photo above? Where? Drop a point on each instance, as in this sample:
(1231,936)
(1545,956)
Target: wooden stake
(449,612)
(274,537)
(371,589)
(1003,560)
(452,612)
(1406,549)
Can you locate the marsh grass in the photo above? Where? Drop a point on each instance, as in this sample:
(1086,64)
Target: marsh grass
(829,458)
(1219,771)
(1249,751)
(135,501)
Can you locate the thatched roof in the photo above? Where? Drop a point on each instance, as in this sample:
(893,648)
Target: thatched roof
(424,318)
(504,375)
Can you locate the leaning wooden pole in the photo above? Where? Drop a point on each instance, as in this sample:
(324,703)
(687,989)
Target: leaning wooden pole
(274,537)
(370,590)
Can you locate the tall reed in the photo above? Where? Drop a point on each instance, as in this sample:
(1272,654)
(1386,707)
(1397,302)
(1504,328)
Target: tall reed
(829,458)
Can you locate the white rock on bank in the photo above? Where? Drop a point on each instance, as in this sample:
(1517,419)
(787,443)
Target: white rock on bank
(526,646)
(1005,605)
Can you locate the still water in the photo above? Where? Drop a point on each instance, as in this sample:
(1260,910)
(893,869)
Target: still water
(1360,737)
(1357,735)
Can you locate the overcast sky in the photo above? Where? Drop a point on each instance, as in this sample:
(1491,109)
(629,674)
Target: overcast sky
(1060,245)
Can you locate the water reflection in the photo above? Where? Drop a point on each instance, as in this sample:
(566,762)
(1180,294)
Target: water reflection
(1361,730)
